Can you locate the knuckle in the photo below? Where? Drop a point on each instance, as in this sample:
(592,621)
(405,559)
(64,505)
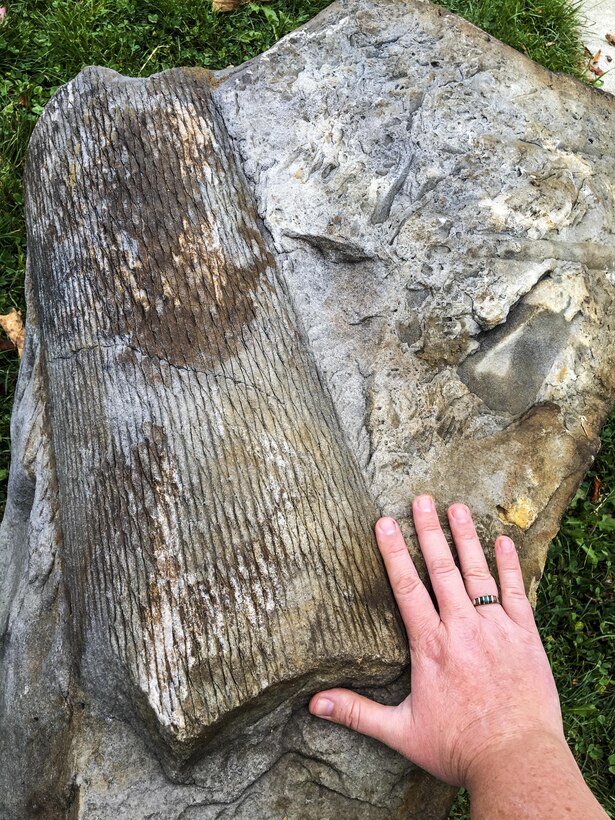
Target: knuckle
(442,566)
(353,715)
(471,633)
(517,593)
(429,526)
(407,584)
(477,572)
(471,641)
(398,548)
(431,646)
(466,533)
(512,580)
(470,541)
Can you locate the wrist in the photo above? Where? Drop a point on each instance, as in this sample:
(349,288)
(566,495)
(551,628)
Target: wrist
(530,775)
(526,750)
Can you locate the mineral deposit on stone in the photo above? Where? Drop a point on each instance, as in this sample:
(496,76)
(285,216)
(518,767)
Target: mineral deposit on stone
(265,306)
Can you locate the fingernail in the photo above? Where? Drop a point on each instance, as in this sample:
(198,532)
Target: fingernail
(506,545)
(387,526)
(323,707)
(460,513)
(425,503)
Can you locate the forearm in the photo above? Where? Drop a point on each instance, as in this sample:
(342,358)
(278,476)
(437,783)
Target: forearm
(535,778)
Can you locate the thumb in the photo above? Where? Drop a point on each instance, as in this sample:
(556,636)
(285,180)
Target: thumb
(358,713)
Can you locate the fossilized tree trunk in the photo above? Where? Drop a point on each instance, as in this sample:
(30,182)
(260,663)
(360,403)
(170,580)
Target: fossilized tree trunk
(264,307)
(216,527)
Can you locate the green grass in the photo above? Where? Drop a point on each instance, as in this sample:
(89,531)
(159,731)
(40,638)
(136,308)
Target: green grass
(576,616)
(548,31)
(44,44)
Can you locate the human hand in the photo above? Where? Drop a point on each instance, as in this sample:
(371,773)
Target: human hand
(480,678)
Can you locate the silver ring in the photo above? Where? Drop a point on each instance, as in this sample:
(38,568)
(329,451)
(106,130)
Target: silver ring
(485,599)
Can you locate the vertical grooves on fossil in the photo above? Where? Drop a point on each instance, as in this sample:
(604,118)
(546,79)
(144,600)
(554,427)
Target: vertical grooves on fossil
(218,531)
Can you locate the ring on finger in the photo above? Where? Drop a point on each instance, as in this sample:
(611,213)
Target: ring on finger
(482,600)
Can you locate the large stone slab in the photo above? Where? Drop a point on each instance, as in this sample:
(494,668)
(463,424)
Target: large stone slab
(266,305)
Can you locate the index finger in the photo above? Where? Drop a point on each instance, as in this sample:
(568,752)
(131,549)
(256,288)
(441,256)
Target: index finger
(415,605)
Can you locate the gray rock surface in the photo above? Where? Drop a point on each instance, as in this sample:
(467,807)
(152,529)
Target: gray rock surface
(266,305)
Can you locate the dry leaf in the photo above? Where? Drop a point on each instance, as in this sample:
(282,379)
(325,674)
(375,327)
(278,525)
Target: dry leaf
(12,325)
(609,58)
(597,56)
(596,487)
(596,70)
(226,5)
(229,5)
(610,38)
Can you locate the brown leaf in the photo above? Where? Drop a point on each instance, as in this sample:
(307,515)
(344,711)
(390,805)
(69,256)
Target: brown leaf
(12,325)
(610,38)
(597,56)
(596,487)
(229,5)
(226,5)
(596,70)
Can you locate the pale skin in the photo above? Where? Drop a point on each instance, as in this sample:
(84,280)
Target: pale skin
(483,711)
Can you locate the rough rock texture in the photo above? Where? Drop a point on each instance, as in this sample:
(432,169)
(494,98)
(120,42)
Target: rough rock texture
(265,306)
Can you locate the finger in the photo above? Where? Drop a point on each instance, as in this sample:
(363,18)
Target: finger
(359,714)
(445,577)
(415,605)
(474,568)
(513,597)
